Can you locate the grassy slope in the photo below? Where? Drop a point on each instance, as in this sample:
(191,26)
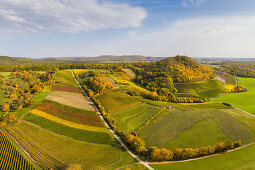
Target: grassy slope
(245,100)
(240,159)
(181,128)
(66,77)
(205,89)
(133,118)
(198,87)
(117,100)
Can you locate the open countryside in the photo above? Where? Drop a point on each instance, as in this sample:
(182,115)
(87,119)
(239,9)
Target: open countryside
(127,85)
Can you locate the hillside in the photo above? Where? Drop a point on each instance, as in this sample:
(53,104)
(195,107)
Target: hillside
(72,60)
(160,76)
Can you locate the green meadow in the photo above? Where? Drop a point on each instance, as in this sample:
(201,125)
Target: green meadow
(243,100)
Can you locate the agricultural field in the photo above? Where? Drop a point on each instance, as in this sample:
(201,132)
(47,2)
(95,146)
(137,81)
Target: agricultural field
(59,135)
(240,159)
(70,115)
(205,89)
(75,133)
(10,157)
(179,129)
(117,100)
(66,88)
(133,118)
(65,77)
(245,100)
(58,152)
(77,100)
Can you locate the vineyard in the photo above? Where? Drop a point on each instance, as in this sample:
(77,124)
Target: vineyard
(70,115)
(68,123)
(198,87)
(58,152)
(10,157)
(61,87)
(65,77)
(78,134)
(117,100)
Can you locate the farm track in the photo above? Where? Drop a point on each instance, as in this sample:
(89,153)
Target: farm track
(17,142)
(113,133)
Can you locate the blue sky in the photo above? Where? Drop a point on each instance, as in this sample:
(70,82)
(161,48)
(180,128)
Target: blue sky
(63,28)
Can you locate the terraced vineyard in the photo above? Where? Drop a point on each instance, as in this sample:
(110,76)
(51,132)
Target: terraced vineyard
(10,157)
(117,100)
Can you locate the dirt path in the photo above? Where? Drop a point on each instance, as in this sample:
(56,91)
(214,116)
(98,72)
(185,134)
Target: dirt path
(113,133)
(17,142)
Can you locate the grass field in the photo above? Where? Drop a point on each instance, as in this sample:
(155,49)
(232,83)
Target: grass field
(58,152)
(123,75)
(239,159)
(230,79)
(78,134)
(198,87)
(66,77)
(133,118)
(245,100)
(117,100)
(70,99)
(198,127)
(130,73)
(70,115)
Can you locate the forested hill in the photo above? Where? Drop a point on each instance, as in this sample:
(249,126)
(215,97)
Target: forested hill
(160,76)
(5,60)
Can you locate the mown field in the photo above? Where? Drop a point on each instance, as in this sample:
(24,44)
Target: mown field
(198,127)
(239,159)
(245,100)
(133,118)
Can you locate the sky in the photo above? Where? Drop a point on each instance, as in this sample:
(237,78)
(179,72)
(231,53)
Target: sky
(68,28)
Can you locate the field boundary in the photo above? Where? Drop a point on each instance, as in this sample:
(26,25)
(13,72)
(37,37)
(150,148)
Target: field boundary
(204,157)
(113,133)
(244,111)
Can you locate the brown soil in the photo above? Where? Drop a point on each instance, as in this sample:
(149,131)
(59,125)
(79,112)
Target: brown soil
(71,99)
(62,87)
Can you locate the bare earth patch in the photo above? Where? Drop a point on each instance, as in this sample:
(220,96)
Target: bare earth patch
(71,99)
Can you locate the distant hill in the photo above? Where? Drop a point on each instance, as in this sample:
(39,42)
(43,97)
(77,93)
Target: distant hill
(160,76)
(65,60)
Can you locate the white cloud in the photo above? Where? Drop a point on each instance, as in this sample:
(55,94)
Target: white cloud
(188,3)
(223,36)
(67,15)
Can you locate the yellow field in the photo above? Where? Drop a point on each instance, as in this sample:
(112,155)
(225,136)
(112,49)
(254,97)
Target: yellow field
(68,123)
